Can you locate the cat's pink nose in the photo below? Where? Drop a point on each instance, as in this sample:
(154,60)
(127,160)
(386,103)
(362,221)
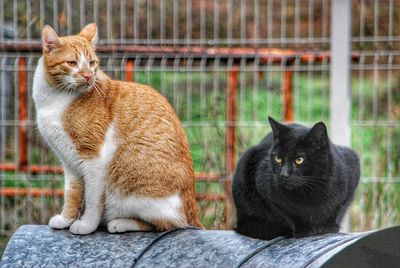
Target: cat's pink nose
(87,76)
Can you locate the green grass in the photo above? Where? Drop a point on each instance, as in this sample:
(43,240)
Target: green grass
(3,242)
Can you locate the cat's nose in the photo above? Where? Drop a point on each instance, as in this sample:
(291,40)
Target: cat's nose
(87,76)
(284,171)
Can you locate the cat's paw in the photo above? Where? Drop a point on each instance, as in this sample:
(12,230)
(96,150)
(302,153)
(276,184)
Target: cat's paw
(303,234)
(59,222)
(82,227)
(126,225)
(328,229)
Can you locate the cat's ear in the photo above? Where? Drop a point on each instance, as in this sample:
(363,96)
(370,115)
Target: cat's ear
(90,33)
(318,135)
(277,128)
(50,39)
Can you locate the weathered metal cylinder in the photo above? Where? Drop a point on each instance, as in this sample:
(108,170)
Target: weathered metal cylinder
(40,246)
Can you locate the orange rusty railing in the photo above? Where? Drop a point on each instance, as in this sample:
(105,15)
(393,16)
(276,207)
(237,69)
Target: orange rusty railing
(130,70)
(47,192)
(23,113)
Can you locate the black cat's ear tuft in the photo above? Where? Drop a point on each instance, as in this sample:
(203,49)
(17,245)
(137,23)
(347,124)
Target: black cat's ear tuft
(318,135)
(276,127)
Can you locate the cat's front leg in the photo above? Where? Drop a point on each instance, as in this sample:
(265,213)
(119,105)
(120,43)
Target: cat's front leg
(304,233)
(333,228)
(94,203)
(73,194)
(304,230)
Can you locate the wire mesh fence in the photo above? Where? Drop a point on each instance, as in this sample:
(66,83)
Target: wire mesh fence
(186,50)
(375,115)
(178,22)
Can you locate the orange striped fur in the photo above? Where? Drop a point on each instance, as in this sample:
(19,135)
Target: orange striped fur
(128,129)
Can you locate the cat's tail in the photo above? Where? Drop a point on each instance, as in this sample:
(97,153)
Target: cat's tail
(189,201)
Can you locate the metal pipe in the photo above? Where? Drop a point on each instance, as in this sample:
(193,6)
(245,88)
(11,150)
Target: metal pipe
(23,114)
(288,114)
(130,70)
(232,81)
(273,55)
(48,192)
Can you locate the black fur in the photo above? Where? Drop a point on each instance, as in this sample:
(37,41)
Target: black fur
(290,199)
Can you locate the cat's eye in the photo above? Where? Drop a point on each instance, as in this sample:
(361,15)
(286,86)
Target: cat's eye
(299,160)
(278,159)
(71,63)
(92,63)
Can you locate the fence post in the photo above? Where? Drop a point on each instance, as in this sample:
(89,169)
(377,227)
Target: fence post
(340,74)
(130,70)
(231,118)
(23,113)
(232,82)
(288,114)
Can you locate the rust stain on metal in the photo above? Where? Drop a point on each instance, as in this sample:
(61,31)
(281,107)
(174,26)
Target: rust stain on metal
(266,55)
(288,113)
(32,169)
(23,114)
(130,70)
(34,192)
(48,192)
(210,197)
(232,81)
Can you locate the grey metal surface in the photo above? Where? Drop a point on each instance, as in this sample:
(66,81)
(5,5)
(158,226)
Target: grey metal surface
(300,252)
(377,249)
(40,246)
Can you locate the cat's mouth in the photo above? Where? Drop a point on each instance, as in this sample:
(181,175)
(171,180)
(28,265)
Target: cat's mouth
(86,86)
(291,183)
(290,186)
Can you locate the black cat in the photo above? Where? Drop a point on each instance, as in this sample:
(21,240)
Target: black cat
(294,183)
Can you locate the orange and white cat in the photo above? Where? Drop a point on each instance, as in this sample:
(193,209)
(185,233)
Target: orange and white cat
(124,151)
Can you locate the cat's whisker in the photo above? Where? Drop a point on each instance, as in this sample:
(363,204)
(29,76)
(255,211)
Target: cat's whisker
(341,205)
(64,90)
(316,182)
(310,180)
(310,186)
(64,86)
(306,182)
(314,179)
(319,178)
(98,89)
(309,183)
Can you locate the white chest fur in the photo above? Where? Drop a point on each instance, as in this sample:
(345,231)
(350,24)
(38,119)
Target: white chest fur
(50,106)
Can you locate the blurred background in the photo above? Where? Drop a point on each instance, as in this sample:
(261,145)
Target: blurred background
(225,66)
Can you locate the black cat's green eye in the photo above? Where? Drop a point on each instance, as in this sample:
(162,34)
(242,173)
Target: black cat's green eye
(299,160)
(278,159)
